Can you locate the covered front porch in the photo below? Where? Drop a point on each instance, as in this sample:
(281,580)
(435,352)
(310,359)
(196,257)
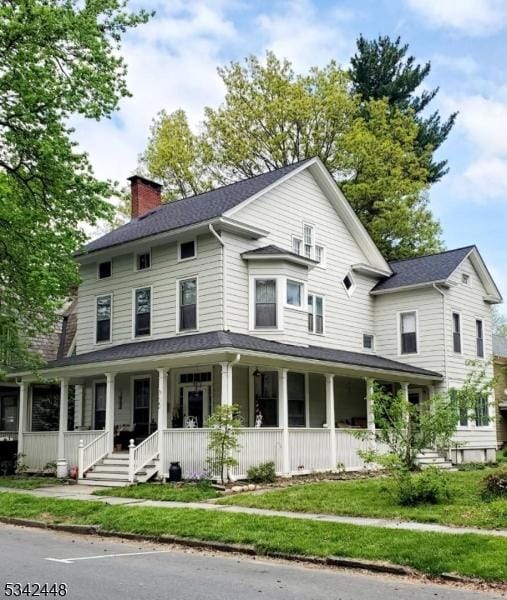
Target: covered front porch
(302,414)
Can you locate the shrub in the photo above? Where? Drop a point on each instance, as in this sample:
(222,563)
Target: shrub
(495,484)
(263,473)
(432,486)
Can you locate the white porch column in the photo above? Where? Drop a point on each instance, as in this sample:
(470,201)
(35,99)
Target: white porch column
(23,397)
(370,416)
(78,405)
(283,418)
(404,388)
(162,415)
(226,396)
(330,418)
(64,413)
(110,377)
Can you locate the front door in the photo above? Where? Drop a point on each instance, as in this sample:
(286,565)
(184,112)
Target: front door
(195,406)
(141,415)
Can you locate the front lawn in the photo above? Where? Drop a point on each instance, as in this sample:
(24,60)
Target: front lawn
(27,483)
(433,553)
(162,491)
(366,498)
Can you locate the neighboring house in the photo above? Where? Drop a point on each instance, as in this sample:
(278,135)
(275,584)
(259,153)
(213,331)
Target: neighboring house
(500,368)
(268,293)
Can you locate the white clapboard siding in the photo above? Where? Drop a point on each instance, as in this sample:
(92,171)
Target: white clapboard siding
(257,446)
(348,446)
(296,201)
(39,449)
(162,276)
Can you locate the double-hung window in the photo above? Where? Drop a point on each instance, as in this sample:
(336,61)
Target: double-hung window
(188,304)
(481,410)
(456,332)
(296,245)
(142,311)
(294,293)
(408,332)
(315,314)
(479,334)
(308,240)
(103,324)
(265,303)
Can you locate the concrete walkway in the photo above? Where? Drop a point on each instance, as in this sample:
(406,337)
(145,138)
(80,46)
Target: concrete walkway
(81,492)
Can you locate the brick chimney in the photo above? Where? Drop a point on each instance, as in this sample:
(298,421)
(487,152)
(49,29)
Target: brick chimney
(146,195)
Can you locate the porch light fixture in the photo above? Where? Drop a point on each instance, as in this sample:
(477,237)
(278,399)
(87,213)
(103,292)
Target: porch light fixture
(256,373)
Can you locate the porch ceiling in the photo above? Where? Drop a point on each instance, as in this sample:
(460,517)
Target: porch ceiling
(218,346)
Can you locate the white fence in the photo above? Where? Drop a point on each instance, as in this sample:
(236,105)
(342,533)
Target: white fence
(39,449)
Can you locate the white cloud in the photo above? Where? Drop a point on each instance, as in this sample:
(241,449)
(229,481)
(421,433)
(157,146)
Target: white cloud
(488,177)
(297,30)
(472,17)
(461,64)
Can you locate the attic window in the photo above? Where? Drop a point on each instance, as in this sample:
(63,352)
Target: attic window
(465,279)
(104,270)
(187,250)
(143,261)
(349,284)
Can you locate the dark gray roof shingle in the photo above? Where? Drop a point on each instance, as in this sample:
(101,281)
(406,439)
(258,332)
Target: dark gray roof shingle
(424,269)
(225,339)
(500,346)
(189,211)
(273,250)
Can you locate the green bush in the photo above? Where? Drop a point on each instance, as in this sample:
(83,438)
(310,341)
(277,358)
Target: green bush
(495,484)
(263,473)
(432,486)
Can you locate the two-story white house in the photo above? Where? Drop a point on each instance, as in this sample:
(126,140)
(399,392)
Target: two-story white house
(267,293)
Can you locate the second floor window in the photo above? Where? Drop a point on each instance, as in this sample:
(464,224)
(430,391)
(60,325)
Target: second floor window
(265,303)
(187,250)
(142,312)
(105,269)
(294,293)
(308,240)
(143,261)
(479,329)
(408,327)
(315,314)
(103,327)
(188,305)
(456,332)
(296,245)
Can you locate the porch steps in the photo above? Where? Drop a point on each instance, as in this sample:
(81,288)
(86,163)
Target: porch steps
(113,471)
(430,458)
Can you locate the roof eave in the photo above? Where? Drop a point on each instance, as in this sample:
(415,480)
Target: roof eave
(403,288)
(299,260)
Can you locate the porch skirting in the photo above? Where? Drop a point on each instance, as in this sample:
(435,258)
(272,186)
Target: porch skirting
(310,449)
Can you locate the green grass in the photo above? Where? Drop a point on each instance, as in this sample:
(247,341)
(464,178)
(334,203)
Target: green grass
(28,483)
(158,491)
(367,498)
(433,553)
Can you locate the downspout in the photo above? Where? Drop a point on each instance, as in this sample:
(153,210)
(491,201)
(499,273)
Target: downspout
(445,332)
(224,296)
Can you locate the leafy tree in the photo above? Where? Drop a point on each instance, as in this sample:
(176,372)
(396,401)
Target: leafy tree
(272,117)
(223,439)
(381,69)
(58,58)
(499,322)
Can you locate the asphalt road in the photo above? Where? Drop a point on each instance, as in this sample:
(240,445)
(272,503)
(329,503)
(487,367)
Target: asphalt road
(96,568)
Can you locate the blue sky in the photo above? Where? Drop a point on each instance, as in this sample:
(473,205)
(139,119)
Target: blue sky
(172,63)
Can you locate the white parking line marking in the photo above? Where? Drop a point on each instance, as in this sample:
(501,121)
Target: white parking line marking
(69,561)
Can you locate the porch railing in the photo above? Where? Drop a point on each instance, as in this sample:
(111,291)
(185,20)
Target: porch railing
(39,449)
(309,449)
(71,442)
(141,455)
(91,453)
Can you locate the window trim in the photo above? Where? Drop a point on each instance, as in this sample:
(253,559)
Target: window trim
(178,256)
(372,335)
(461,350)
(418,339)
(352,288)
(319,295)
(481,320)
(178,305)
(136,255)
(293,238)
(145,335)
(103,342)
(303,305)
(110,261)
(280,291)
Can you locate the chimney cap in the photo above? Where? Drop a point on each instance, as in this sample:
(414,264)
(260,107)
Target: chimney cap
(136,178)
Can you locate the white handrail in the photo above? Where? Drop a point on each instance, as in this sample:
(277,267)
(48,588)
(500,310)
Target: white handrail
(90,454)
(141,455)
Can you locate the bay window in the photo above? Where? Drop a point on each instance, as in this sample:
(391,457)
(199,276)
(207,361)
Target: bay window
(265,303)
(294,293)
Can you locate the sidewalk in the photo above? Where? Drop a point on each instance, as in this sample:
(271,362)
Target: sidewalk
(77,492)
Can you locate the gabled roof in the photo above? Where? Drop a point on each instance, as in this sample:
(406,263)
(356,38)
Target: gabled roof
(190,210)
(238,341)
(424,269)
(500,346)
(437,268)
